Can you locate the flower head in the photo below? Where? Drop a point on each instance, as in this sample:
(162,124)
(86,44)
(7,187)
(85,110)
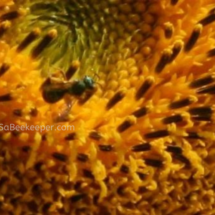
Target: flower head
(136,81)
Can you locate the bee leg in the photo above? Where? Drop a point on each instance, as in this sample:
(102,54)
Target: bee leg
(64,115)
(57,77)
(59,74)
(50,80)
(87,96)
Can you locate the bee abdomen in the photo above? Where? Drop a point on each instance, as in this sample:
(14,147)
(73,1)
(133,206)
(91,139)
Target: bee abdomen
(53,96)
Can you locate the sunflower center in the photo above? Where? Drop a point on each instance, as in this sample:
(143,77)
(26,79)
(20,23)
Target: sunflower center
(97,33)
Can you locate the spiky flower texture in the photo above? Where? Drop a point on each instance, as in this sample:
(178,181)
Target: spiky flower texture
(144,139)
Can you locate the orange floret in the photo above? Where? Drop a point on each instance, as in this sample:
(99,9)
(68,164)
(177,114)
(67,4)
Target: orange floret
(142,141)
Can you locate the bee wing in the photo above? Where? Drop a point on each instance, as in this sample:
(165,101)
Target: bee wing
(62,86)
(55,86)
(63,115)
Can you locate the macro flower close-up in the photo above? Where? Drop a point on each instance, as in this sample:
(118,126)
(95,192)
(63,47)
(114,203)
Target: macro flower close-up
(107,107)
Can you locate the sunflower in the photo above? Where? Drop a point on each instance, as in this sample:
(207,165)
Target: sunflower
(107,107)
